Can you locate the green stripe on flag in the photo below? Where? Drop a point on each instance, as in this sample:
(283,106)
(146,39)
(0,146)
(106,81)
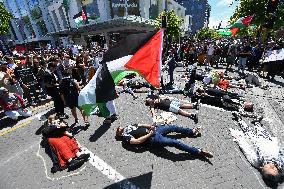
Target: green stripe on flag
(104,112)
(89,108)
(117,76)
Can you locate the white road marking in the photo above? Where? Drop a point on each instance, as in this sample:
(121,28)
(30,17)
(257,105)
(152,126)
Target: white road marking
(107,170)
(98,163)
(45,167)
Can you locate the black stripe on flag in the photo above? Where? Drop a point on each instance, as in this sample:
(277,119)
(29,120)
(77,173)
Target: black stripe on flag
(128,46)
(105,87)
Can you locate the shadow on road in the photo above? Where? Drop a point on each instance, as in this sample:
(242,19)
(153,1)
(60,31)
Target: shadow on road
(164,153)
(100,131)
(142,181)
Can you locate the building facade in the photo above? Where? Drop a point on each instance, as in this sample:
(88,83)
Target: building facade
(54,21)
(200,12)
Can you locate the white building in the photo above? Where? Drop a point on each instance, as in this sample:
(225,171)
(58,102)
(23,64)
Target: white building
(53,20)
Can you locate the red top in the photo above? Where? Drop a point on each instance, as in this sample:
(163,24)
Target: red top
(9,107)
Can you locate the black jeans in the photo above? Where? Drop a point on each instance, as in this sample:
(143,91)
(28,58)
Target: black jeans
(58,103)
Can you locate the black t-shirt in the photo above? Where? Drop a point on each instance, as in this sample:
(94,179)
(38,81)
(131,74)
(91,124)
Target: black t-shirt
(67,87)
(164,105)
(49,78)
(245,50)
(133,131)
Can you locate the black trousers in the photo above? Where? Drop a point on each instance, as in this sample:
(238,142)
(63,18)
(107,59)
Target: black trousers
(220,102)
(58,103)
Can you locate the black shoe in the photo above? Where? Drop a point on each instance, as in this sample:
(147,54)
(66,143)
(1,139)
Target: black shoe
(194,117)
(87,125)
(84,156)
(237,116)
(63,116)
(76,121)
(197,105)
(75,162)
(258,119)
(113,117)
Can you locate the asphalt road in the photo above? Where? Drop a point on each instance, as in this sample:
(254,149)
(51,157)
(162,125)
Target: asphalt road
(25,164)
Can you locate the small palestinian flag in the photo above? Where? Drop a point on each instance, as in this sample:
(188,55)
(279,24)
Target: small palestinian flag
(137,53)
(242,22)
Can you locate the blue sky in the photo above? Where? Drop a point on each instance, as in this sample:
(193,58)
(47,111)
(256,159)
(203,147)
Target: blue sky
(221,10)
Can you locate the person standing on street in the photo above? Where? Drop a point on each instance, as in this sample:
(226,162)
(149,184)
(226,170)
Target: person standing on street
(51,85)
(245,52)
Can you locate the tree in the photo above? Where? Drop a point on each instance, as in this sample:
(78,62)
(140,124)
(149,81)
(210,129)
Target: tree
(207,33)
(5,17)
(258,8)
(174,23)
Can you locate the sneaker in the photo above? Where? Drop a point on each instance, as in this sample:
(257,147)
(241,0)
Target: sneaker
(194,117)
(258,119)
(84,156)
(87,125)
(236,116)
(206,154)
(76,121)
(197,132)
(63,116)
(113,117)
(197,105)
(75,162)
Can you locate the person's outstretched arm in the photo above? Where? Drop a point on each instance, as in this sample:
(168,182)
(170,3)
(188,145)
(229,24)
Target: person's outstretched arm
(142,139)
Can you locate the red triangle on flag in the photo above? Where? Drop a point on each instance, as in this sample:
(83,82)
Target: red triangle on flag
(246,21)
(84,17)
(148,59)
(234,31)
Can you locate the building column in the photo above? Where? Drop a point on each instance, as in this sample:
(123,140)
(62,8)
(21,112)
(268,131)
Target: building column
(102,6)
(17,31)
(46,17)
(60,21)
(14,25)
(34,26)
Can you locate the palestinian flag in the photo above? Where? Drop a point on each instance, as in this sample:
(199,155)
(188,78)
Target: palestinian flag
(242,22)
(137,53)
(234,31)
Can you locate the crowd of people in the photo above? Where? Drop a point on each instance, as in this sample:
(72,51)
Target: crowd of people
(59,74)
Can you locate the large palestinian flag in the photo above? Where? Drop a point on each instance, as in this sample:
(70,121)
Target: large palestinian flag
(242,22)
(137,53)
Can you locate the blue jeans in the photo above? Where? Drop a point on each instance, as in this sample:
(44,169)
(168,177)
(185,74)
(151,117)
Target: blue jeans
(242,64)
(161,139)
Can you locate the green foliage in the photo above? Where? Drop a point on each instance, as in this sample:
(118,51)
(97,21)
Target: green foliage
(207,33)
(36,13)
(5,17)
(258,9)
(174,23)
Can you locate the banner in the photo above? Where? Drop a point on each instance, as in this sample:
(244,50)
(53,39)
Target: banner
(272,56)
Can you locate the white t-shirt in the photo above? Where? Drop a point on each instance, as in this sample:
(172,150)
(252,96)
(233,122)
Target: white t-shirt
(210,49)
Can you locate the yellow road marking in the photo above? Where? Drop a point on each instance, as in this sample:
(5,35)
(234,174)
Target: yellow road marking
(16,127)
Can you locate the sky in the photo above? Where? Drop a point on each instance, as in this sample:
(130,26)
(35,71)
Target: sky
(221,10)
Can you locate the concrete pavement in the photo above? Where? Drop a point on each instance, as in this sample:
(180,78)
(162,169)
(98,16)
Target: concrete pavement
(25,164)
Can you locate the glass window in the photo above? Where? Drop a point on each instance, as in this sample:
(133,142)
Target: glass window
(32,3)
(119,7)
(13,8)
(133,7)
(92,10)
(22,7)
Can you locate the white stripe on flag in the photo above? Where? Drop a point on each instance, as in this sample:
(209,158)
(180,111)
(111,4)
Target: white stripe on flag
(88,93)
(118,64)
